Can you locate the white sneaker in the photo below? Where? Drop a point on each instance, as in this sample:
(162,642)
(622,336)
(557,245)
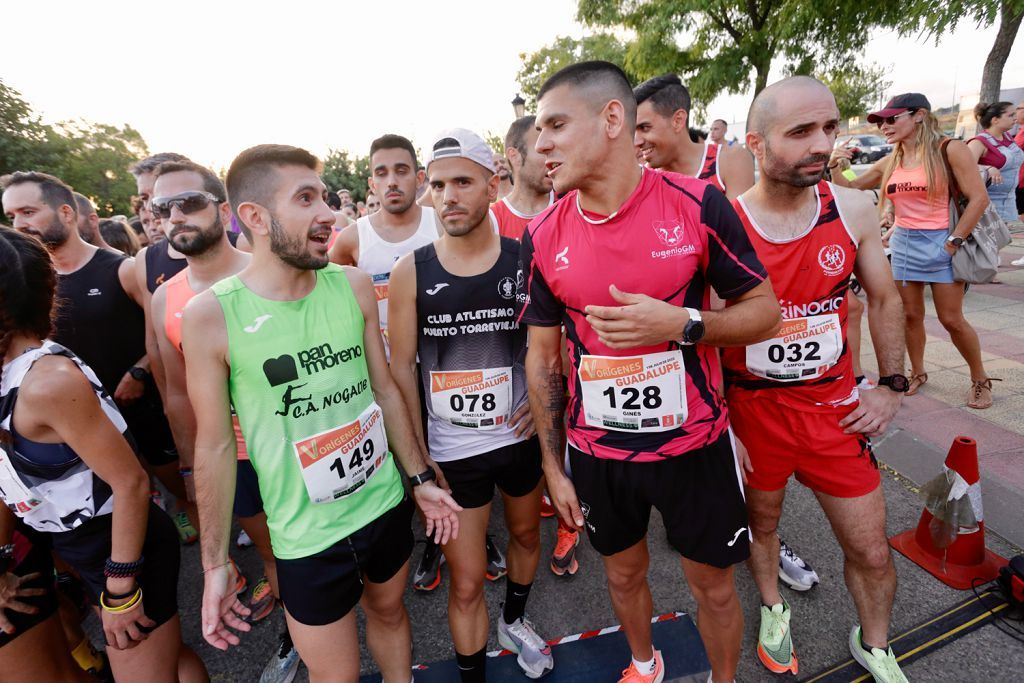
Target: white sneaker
(520,637)
(1017,262)
(793,571)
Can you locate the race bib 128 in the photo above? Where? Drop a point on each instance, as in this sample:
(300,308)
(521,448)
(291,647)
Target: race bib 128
(634,394)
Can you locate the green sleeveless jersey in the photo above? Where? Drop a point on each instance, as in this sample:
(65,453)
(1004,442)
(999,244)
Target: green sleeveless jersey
(301,390)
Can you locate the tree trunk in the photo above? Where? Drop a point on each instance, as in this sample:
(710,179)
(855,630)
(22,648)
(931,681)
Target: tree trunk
(992,74)
(761,75)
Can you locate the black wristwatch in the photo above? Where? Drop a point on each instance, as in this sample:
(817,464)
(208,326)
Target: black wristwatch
(898,383)
(693,331)
(955,241)
(138,373)
(6,557)
(423,477)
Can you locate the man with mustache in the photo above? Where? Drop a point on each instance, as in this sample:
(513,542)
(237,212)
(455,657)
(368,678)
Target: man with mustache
(793,399)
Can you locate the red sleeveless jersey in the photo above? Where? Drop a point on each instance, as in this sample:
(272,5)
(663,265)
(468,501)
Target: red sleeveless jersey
(807,365)
(709,166)
(179,293)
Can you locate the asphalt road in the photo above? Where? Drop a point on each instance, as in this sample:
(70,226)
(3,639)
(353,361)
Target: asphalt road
(564,606)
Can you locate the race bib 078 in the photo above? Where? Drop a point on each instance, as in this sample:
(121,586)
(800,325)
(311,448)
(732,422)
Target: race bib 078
(477,399)
(805,348)
(339,461)
(634,394)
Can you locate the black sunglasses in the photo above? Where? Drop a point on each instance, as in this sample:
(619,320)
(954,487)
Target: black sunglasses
(891,120)
(187,203)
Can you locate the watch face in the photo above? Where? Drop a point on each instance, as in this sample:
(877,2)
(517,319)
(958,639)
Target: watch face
(694,331)
(897,382)
(137,373)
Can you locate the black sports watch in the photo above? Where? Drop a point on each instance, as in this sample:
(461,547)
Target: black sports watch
(423,477)
(693,331)
(138,373)
(898,383)
(955,241)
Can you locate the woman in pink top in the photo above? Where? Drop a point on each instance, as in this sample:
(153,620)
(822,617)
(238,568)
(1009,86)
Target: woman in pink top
(913,180)
(994,149)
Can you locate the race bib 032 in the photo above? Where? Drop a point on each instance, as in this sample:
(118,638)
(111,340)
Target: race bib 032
(805,348)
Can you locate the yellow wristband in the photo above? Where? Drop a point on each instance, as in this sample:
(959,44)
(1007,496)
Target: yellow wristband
(120,609)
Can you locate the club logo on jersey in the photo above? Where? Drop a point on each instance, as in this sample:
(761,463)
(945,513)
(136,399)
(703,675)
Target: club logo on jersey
(669,232)
(507,288)
(284,369)
(562,259)
(832,258)
(257,324)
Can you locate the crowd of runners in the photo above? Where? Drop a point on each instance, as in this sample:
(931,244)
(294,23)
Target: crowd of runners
(593,336)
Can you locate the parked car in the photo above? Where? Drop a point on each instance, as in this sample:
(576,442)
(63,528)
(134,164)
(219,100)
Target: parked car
(866,149)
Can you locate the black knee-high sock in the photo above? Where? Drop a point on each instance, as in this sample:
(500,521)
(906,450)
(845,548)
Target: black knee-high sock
(516,595)
(472,668)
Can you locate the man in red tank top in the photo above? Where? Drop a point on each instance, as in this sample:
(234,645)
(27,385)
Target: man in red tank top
(663,138)
(531,192)
(793,399)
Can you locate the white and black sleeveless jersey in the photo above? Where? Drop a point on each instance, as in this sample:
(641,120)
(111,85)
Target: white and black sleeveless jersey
(472,353)
(47,484)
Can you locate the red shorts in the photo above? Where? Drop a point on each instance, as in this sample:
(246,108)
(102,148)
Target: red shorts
(783,441)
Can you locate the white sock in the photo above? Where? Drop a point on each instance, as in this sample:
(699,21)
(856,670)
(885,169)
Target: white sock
(646,668)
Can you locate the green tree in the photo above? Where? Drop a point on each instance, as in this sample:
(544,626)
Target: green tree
(540,65)
(25,141)
(496,141)
(728,45)
(94,160)
(937,17)
(342,170)
(856,87)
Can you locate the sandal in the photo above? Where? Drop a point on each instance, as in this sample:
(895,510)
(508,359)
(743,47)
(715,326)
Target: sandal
(981,393)
(916,382)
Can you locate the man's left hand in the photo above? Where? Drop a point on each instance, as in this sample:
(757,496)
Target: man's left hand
(640,321)
(872,417)
(129,390)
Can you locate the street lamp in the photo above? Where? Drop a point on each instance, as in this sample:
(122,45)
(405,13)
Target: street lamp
(519,106)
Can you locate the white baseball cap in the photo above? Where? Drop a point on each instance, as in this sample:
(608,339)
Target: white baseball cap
(459,142)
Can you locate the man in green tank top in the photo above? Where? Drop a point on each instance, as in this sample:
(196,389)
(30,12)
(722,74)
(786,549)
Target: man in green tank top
(292,342)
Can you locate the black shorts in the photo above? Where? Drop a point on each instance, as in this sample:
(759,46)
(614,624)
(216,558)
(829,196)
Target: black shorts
(148,426)
(248,501)
(1020,200)
(88,547)
(322,588)
(38,560)
(515,469)
(699,495)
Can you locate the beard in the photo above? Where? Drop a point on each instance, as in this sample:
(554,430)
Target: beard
(464,225)
(407,200)
(293,250)
(198,240)
(790,174)
(54,235)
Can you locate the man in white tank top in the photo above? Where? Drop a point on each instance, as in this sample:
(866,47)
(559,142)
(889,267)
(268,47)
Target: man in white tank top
(376,241)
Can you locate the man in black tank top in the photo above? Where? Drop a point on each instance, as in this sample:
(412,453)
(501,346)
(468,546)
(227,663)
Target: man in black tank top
(452,302)
(100,319)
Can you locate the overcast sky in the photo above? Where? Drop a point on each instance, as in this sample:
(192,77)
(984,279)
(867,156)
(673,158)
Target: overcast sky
(209,79)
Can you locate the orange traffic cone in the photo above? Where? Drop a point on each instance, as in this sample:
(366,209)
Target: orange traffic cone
(949,542)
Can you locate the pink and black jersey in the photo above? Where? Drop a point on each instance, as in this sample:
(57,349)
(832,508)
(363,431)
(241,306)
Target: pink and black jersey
(809,357)
(709,165)
(673,238)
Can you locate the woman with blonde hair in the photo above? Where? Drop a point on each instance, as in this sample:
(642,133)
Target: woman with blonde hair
(913,180)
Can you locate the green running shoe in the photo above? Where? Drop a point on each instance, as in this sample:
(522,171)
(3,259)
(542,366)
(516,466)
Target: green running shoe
(774,643)
(186,532)
(881,663)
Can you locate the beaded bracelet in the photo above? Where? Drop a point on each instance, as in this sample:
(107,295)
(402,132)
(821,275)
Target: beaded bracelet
(126,607)
(122,570)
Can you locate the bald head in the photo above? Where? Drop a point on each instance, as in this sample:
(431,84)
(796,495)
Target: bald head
(781,99)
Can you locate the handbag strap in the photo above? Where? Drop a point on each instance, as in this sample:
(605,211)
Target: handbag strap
(954,187)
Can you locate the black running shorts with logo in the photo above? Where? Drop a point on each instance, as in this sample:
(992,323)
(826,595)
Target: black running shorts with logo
(515,469)
(699,495)
(322,588)
(87,548)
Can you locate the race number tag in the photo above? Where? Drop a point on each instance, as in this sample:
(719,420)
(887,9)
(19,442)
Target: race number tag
(634,394)
(804,349)
(478,399)
(16,495)
(338,462)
